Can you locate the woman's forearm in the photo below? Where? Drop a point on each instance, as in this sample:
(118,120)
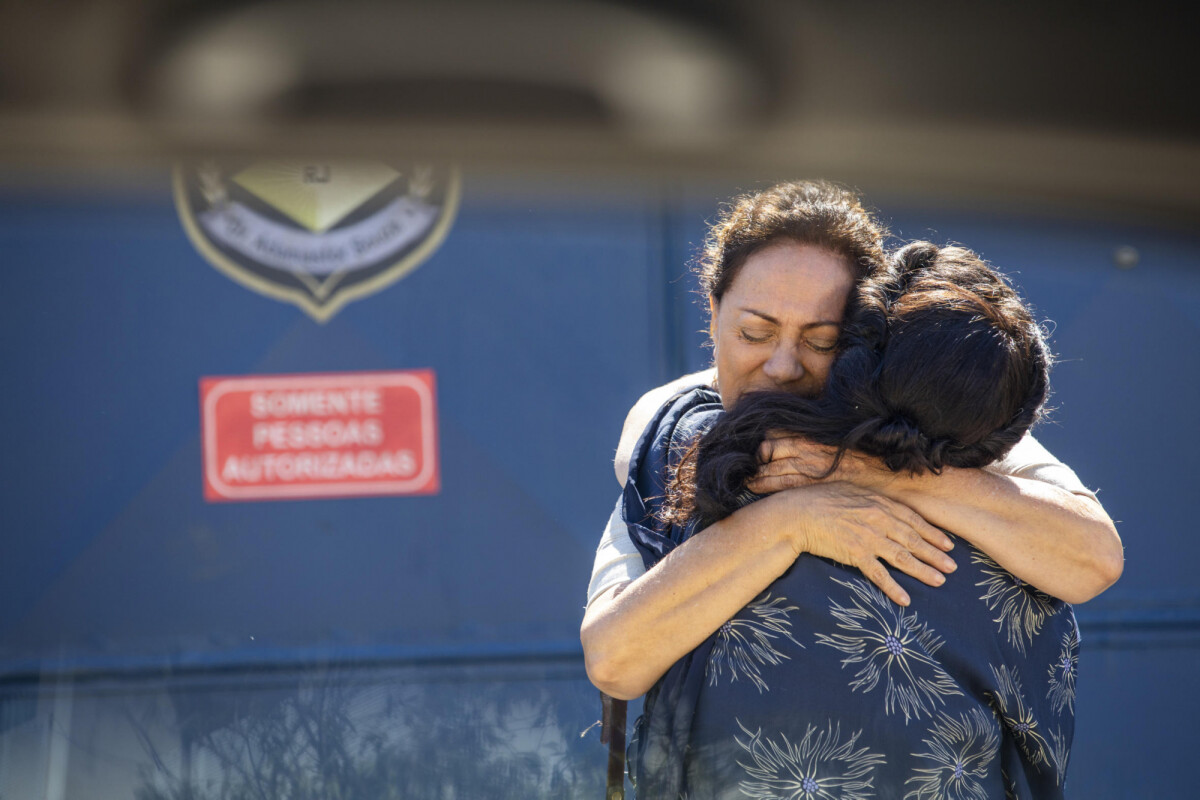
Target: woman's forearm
(632,634)
(1063,543)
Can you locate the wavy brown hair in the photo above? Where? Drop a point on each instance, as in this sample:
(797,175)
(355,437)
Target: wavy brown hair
(814,212)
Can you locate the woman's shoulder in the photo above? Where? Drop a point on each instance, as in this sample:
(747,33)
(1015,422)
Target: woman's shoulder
(676,423)
(646,410)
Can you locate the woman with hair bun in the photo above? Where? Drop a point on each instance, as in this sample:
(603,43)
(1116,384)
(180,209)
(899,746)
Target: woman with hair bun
(822,686)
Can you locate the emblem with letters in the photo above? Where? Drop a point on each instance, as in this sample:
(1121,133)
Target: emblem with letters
(317,234)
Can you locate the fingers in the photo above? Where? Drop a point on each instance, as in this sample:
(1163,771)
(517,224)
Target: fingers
(910,541)
(917,547)
(777,445)
(908,528)
(930,533)
(865,529)
(773,484)
(911,545)
(906,562)
(808,464)
(766,450)
(777,483)
(778,475)
(877,574)
(783,473)
(782,466)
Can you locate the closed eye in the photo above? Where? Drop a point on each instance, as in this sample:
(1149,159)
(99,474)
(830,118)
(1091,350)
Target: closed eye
(753,337)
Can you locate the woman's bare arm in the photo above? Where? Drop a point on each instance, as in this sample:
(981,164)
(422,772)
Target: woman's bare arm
(633,633)
(1063,543)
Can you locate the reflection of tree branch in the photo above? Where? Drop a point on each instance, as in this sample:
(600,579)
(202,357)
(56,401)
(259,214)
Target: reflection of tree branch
(251,775)
(147,743)
(326,738)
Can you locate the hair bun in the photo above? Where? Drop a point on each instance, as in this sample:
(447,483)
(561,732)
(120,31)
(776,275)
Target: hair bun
(901,444)
(898,433)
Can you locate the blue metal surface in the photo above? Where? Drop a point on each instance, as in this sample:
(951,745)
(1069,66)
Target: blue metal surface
(544,314)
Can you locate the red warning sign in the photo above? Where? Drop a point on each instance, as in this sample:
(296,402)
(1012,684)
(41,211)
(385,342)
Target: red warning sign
(287,437)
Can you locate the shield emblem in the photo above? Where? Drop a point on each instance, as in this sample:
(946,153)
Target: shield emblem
(318,233)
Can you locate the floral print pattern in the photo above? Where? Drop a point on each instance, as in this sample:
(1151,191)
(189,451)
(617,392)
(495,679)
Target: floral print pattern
(744,646)
(820,765)
(961,752)
(1062,674)
(1022,608)
(893,645)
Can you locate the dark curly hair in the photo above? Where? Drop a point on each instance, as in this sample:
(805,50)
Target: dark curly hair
(940,365)
(813,212)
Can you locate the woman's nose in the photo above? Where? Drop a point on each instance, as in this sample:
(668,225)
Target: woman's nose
(784,365)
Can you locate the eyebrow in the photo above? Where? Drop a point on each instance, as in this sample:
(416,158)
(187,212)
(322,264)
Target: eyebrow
(774,321)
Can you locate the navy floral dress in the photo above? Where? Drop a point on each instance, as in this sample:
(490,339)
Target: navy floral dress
(822,687)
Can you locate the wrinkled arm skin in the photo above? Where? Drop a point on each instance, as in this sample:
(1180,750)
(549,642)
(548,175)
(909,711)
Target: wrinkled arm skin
(1063,543)
(634,632)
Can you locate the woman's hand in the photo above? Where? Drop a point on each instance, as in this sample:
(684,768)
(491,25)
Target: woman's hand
(856,524)
(790,461)
(862,528)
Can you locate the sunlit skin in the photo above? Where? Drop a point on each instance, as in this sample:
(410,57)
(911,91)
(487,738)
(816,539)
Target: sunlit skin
(777,325)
